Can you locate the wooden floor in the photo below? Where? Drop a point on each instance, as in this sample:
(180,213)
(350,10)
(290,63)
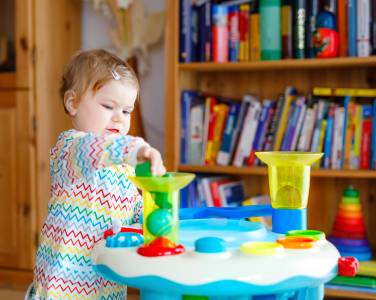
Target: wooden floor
(17,295)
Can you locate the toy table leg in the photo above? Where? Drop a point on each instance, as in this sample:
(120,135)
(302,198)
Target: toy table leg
(153,295)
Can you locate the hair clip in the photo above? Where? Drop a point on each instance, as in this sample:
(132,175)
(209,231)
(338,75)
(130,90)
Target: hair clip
(115,75)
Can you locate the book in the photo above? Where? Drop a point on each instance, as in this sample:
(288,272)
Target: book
(224,154)
(373,27)
(342,27)
(312,11)
(357,135)
(209,123)
(270,23)
(186,53)
(247,133)
(373,136)
(299,21)
(221,111)
(337,149)
(286,28)
(305,138)
(196,131)
(290,95)
(254,19)
(347,131)
(299,124)
(365,145)
(219,33)
(273,125)
(234,34)
(205,182)
(352,27)
(214,189)
(204,27)
(363,28)
(187,97)
(328,136)
(244,32)
(231,193)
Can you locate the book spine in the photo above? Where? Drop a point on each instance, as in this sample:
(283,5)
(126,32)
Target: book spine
(286,27)
(373,136)
(255,46)
(299,126)
(366,137)
(373,27)
(185,31)
(270,22)
(221,115)
(224,154)
(205,32)
(234,38)
(347,133)
(328,141)
(312,11)
(186,100)
(299,21)
(352,27)
(363,34)
(219,33)
(196,131)
(342,28)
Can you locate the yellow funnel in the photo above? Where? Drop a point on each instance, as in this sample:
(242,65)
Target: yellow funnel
(289,176)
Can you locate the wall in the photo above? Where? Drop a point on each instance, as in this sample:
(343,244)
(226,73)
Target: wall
(94,34)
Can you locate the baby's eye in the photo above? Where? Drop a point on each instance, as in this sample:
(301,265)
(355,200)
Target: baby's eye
(106,106)
(126,112)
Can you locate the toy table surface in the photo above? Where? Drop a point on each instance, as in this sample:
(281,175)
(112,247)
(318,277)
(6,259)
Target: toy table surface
(229,273)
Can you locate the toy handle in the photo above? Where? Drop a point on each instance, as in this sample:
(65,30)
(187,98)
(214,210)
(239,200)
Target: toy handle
(225,212)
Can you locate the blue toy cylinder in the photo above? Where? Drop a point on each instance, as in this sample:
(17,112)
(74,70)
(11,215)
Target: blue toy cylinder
(284,220)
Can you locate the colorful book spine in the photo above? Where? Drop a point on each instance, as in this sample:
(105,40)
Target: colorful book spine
(248,130)
(337,138)
(196,130)
(245,35)
(365,146)
(299,23)
(299,124)
(185,51)
(290,95)
(186,101)
(373,137)
(312,11)
(205,31)
(342,27)
(352,27)
(254,19)
(221,111)
(210,116)
(234,34)
(363,28)
(224,154)
(357,135)
(219,33)
(373,27)
(347,132)
(286,27)
(328,138)
(273,125)
(270,22)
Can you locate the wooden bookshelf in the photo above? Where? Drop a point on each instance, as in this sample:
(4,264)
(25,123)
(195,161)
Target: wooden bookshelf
(7,80)
(267,79)
(287,64)
(370,174)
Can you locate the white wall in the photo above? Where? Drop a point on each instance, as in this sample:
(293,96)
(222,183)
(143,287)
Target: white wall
(95,34)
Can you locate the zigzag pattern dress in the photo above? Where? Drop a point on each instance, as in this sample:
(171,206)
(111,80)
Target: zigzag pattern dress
(90,193)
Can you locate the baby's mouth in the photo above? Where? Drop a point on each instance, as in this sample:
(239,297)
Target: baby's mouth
(113,130)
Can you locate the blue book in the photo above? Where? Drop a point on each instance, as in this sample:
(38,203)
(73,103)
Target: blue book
(373,136)
(352,27)
(290,124)
(224,154)
(328,139)
(234,36)
(261,127)
(231,193)
(204,30)
(186,102)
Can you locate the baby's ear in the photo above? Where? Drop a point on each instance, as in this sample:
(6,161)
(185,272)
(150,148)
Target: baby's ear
(70,102)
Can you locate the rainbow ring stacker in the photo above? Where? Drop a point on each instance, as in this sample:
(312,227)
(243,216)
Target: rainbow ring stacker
(223,259)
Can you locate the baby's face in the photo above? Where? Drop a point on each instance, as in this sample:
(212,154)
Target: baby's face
(108,110)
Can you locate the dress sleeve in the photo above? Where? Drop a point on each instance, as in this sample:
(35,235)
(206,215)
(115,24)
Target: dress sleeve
(86,152)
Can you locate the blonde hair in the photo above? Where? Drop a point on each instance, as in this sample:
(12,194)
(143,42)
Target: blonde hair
(92,69)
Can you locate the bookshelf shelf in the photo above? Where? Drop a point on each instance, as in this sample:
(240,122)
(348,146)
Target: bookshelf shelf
(287,64)
(263,171)
(7,79)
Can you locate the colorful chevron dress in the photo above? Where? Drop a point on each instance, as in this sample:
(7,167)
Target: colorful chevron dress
(90,193)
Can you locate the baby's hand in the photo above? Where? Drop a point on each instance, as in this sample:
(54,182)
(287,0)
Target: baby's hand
(147,153)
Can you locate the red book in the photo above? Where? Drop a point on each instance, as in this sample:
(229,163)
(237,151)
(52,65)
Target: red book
(342,27)
(365,144)
(214,189)
(220,33)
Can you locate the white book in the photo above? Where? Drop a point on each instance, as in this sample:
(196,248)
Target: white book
(205,181)
(363,28)
(306,134)
(196,134)
(247,134)
(337,138)
(299,123)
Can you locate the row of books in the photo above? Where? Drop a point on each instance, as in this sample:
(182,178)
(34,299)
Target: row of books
(226,132)
(222,31)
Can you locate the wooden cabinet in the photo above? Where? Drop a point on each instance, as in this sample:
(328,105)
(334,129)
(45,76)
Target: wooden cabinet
(267,79)
(43,35)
